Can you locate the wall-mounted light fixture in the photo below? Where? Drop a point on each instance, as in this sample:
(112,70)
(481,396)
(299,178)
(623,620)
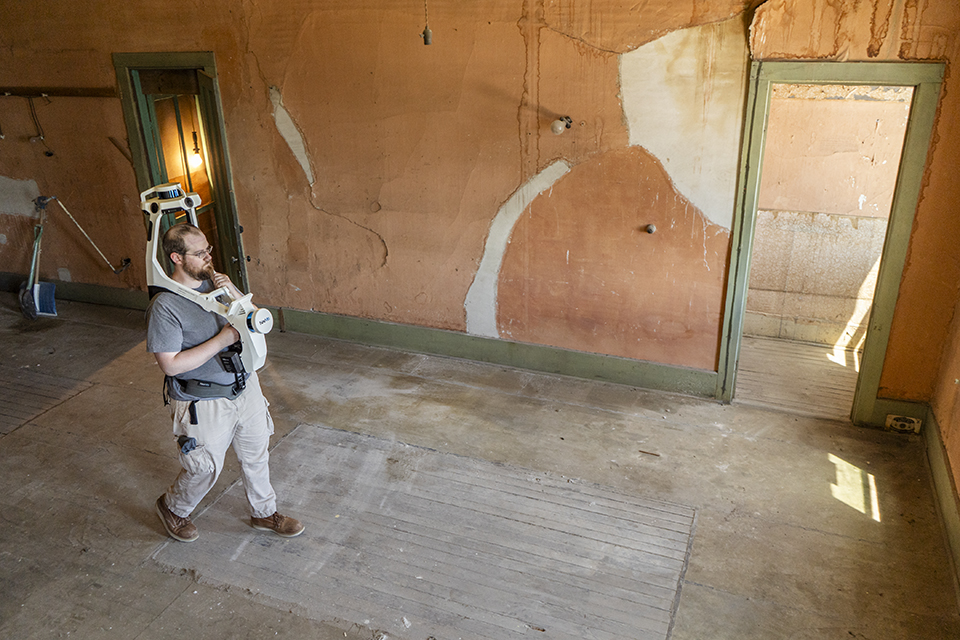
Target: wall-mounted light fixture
(196,159)
(561,124)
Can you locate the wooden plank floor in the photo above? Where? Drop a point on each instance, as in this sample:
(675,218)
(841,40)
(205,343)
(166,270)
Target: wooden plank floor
(795,377)
(27,393)
(419,544)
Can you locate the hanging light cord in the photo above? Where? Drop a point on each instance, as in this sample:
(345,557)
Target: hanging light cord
(427,35)
(36,120)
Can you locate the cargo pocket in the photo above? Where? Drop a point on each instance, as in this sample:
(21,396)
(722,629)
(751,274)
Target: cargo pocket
(198,461)
(266,410)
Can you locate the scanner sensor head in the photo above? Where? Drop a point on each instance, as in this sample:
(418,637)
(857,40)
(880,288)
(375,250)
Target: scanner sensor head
(168,198)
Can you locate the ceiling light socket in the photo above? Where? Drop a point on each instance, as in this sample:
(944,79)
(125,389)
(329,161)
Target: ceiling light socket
(561,124)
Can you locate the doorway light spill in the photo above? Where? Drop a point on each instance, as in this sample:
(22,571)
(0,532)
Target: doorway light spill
(855,488)
(850,342)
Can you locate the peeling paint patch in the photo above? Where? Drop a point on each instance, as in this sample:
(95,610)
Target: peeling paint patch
(17,196)
(288,129)
(683,99)
(481,301)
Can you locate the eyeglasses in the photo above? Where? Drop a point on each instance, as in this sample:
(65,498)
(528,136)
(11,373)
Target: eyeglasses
(203,253)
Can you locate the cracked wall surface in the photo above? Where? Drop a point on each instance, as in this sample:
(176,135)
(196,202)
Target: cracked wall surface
(683,98)
(77,162)
(582,272)
(291,133)
(833,149)
(413,150)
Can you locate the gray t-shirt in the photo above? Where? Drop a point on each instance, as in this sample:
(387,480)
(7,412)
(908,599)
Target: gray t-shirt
(175,324)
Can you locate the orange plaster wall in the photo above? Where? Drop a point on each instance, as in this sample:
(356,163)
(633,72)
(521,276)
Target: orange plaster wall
(413,148)
(832,155)
(582,272)
(623,25)
(88,174)
(69,45)
(946,396)
(942,235)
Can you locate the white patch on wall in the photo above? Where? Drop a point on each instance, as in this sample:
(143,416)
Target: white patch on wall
(64,274)
(3,238)
(288,129)
(683,99)
(481,301)
(17,196)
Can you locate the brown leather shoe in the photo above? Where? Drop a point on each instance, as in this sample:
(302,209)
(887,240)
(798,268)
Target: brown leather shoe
(280,525)
(179,528)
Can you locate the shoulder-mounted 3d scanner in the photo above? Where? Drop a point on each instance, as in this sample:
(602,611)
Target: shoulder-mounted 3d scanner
(249,321)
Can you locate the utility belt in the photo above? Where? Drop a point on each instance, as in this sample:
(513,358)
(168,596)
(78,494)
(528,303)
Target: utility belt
(206,390)
(202,390)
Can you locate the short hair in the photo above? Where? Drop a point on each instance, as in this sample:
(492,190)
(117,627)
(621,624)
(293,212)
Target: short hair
(174,238)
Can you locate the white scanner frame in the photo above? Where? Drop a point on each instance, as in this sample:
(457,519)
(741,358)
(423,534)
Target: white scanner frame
(251,322)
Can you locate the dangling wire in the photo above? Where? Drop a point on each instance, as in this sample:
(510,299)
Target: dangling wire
(36,120)
(427,35)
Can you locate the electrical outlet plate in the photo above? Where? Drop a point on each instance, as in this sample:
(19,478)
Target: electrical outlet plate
(903,424)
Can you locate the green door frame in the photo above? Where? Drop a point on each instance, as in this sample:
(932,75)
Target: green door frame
(228,226)
(926,79)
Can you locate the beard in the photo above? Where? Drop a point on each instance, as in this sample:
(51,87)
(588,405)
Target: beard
(206,272)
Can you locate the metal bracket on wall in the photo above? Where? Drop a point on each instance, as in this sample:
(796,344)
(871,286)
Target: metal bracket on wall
(59,92)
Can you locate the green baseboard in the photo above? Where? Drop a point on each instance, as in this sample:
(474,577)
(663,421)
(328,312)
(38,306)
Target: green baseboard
(534,357)
(591,366)
(883,407)
(578,364)
(81,292)
(948,501)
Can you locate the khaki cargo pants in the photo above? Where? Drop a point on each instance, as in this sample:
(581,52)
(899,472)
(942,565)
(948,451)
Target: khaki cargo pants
(245,423)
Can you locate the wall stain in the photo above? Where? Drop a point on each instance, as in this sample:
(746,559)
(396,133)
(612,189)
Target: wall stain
(383,243)
(910,28)
(879,29)
(530,23)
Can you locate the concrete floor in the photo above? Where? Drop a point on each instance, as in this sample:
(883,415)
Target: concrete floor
(806,528)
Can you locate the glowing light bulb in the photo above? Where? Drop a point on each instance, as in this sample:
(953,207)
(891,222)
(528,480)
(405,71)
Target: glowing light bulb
(196,159)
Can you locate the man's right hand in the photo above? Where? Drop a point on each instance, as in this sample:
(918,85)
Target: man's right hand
(229,334)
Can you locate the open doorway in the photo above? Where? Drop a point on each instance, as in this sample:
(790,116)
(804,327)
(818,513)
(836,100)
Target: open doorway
(175,127)
(925,79)
(830,161)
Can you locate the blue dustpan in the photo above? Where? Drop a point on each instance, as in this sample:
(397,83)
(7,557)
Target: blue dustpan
(36,298)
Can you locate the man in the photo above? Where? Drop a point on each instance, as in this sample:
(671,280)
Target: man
(212,408)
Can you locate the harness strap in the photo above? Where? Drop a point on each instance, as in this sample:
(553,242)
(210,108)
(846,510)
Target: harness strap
(203,389)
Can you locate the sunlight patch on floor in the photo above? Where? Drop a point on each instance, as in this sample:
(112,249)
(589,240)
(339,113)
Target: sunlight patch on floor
(855,488)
